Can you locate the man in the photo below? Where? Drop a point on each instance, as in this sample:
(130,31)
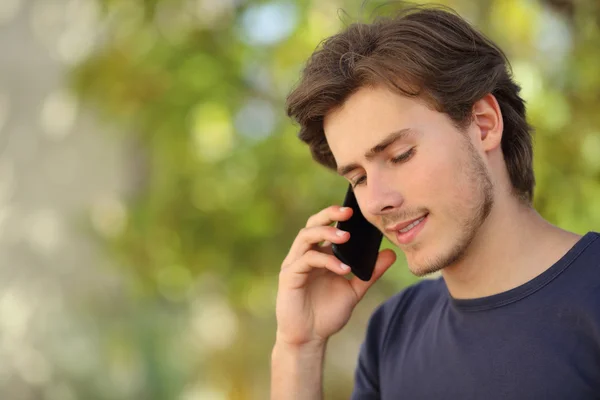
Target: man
(420,115)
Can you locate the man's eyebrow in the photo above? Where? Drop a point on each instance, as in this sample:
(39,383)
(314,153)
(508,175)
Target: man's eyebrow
(378,148)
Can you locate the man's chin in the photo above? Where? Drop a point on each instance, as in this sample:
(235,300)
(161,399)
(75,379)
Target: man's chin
(423,271)
(421,264)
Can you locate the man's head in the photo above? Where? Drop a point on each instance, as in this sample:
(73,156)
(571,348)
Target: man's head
(419,112)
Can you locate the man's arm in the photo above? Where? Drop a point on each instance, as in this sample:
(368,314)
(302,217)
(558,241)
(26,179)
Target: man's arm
(297,372)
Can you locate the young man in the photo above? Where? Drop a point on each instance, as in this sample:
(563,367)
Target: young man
(420,115)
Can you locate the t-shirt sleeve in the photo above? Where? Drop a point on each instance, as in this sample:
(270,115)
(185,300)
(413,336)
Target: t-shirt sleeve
(366,375)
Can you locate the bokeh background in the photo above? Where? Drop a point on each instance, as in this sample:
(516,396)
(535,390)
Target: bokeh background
(151,184)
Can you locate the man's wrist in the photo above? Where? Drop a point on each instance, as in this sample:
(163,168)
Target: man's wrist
(311,347)
(296,370)
(314,351)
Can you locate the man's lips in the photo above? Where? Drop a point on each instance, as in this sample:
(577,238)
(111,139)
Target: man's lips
(401,225)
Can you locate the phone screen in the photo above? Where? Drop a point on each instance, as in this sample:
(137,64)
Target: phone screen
(361,250)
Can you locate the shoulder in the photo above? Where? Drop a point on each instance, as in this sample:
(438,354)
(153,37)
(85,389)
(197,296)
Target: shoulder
(406,307)
(583,277)
(592,248)
(424,291)
(395,314)
(582,262)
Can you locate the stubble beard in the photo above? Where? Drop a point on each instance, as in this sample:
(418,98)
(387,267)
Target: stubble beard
(479,178)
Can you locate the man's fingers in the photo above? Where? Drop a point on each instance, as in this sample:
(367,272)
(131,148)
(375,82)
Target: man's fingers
(317,230)
(329,215)
(325,247)
(296,273)
(384,261)
(310,237)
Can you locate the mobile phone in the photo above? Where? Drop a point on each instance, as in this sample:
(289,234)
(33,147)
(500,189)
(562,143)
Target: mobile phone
(361,250)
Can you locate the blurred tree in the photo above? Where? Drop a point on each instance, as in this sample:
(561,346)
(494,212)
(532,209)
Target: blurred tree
(200,85)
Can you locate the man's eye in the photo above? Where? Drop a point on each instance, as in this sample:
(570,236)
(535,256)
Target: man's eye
(358,181)
(404,156)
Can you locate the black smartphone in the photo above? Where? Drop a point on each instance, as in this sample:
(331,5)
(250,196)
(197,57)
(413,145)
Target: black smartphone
(361,250)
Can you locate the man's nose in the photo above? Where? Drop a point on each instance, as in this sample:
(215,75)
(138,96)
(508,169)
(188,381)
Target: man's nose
(381,197)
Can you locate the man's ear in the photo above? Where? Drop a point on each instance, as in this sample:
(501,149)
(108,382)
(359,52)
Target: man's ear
(487,118)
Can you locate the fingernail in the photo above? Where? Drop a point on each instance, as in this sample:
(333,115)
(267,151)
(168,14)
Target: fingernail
(344,267)
(343,209)
(340,233)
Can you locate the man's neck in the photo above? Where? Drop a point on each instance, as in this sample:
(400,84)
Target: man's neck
(514,245)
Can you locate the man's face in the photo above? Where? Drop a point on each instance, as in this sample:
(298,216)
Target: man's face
(409,163)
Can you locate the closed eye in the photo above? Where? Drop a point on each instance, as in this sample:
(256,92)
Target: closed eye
(358,181)
(404,156)
(396,160)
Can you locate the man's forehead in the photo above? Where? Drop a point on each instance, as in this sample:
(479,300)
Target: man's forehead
(372,112)
(367,118)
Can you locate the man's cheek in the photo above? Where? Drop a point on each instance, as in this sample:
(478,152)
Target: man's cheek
(432,179)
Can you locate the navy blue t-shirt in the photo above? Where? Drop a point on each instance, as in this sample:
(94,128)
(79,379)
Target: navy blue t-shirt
(540,340)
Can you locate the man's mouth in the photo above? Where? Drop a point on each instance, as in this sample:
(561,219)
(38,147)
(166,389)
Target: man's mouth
(405,226)
(405,232)
(412,225)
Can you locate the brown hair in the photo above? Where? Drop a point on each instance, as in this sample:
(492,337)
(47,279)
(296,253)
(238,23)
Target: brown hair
(426,52)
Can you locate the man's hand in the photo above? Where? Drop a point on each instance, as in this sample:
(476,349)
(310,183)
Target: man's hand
(314,301)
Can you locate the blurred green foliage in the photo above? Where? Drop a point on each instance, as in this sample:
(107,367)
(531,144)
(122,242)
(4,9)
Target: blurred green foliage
(200,86)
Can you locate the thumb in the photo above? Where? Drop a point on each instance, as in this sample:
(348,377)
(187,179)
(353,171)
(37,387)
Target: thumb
(385,259)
